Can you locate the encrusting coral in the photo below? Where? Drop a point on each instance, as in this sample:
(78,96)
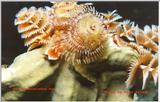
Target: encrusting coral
(78,34)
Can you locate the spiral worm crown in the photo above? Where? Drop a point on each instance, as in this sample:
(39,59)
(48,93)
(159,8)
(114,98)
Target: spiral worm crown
(84,42)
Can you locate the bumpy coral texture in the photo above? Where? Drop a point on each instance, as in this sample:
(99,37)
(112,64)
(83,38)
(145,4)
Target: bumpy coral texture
(78,34)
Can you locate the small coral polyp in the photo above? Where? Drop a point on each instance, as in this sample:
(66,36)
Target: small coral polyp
(78,34)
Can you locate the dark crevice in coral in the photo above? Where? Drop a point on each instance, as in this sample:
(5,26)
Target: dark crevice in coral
(83,81)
